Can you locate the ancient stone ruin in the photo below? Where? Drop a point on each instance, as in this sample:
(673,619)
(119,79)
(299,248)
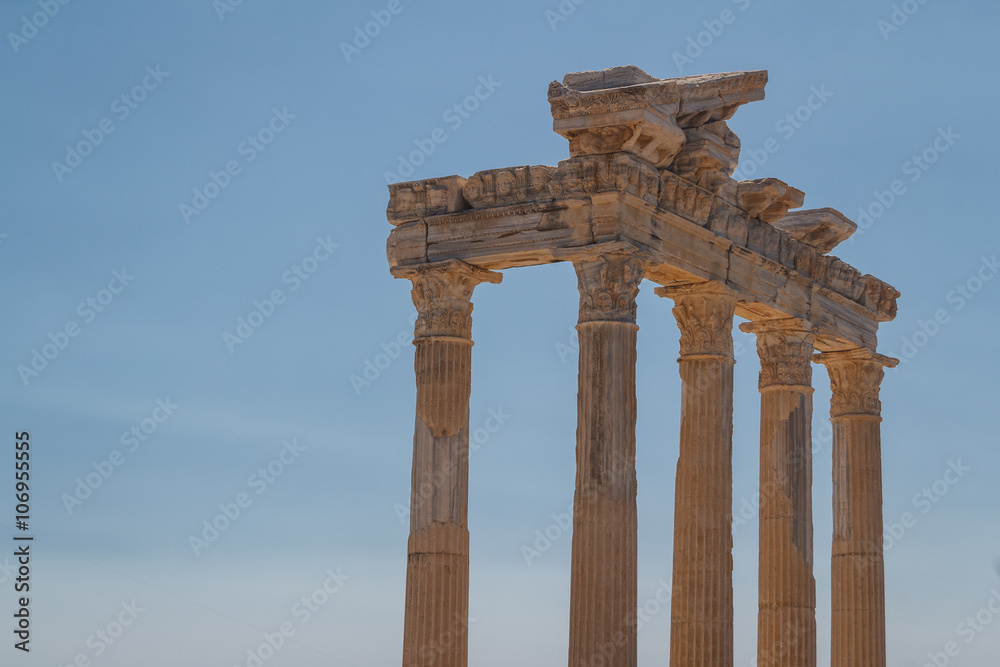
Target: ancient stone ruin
(647,192)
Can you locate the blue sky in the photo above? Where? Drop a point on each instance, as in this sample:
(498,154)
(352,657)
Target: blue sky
(288,136)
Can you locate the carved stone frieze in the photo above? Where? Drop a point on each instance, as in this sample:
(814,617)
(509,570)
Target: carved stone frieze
(509,186)
(618,172)
(685,199)
(416,199)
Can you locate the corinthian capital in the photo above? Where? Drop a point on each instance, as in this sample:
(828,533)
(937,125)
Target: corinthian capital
(442,293)
(704,314)
(608,285)
(855,378)
(785,347)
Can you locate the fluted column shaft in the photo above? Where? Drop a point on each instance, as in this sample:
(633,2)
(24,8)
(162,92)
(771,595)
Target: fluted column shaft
(437,573)
(786,622)
(603,569)
(701,618)
(857,569)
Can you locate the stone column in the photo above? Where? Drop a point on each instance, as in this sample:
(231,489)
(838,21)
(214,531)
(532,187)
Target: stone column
(437,572)
(603,571)
(701,615)
(857,571)
(786,622)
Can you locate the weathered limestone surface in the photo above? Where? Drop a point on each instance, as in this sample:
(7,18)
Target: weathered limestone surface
(647,192)
(701,615)
(821,228)
(857,570)
(786,622)
(603,569)
(651,164)
(437,572)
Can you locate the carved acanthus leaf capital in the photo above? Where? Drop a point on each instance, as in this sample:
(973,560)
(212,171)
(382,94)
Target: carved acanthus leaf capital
(704,314)
(855,378)
(442,293)
(608,286)
(785,347)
